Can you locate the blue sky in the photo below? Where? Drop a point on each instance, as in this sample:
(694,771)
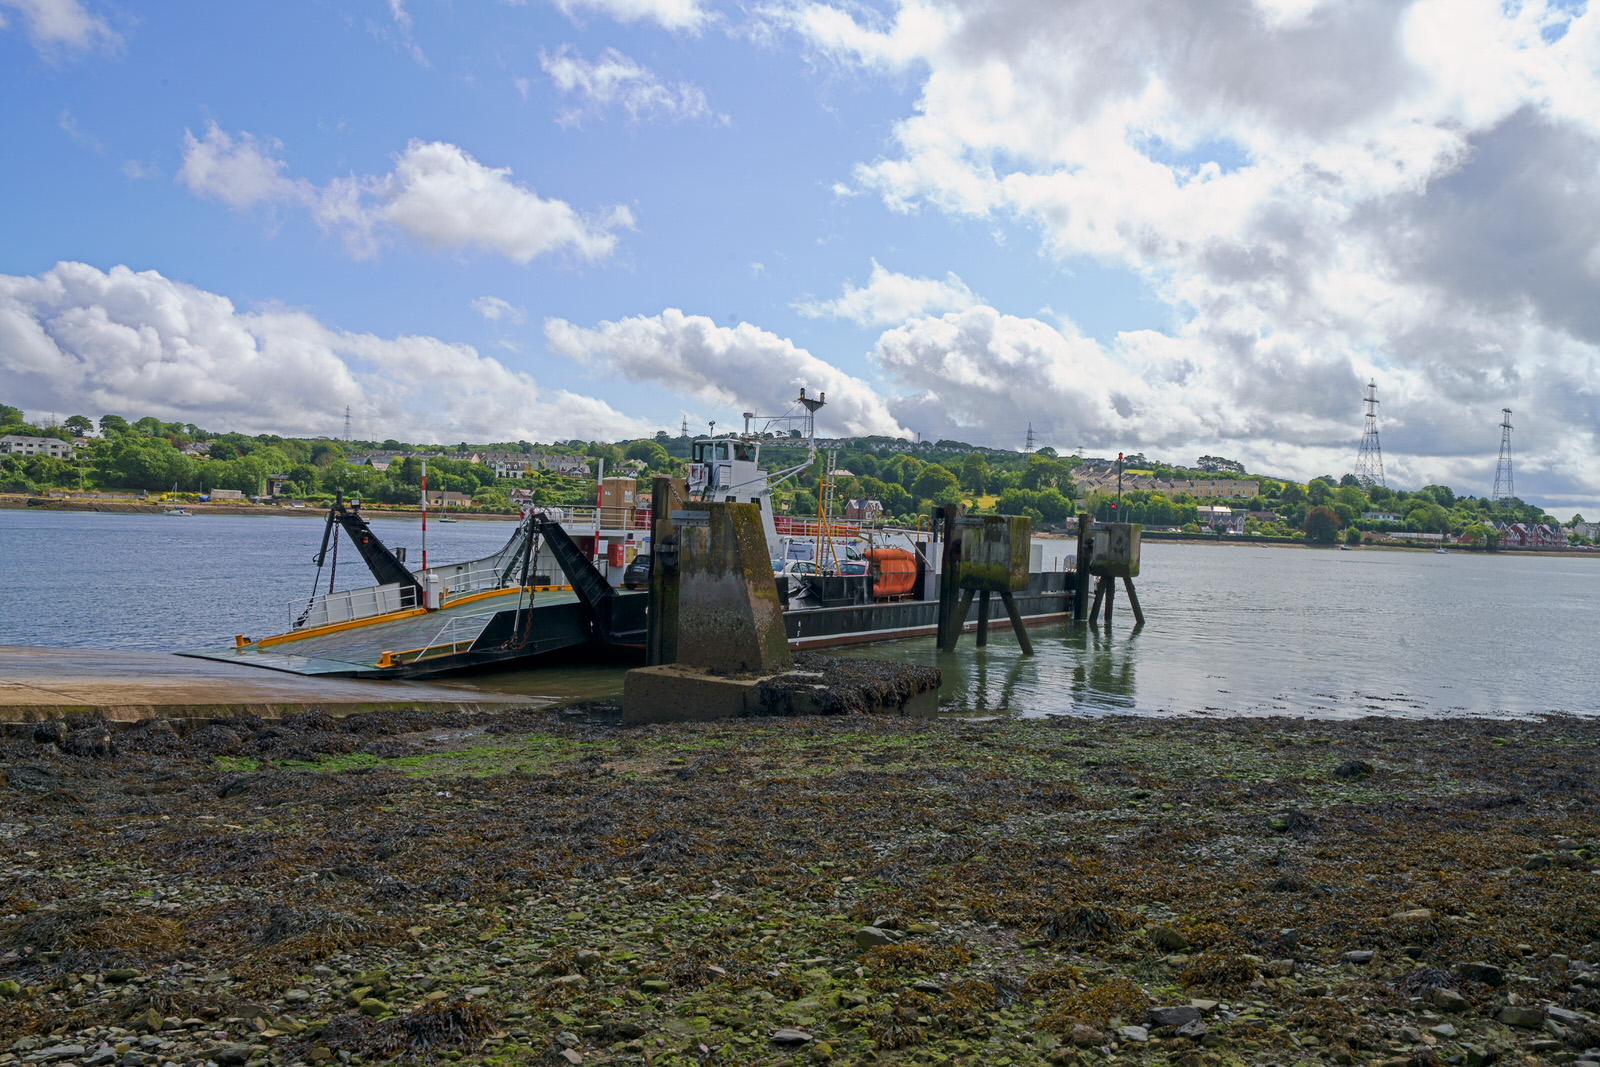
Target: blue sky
(596,218)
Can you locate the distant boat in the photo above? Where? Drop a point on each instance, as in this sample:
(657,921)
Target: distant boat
(180,511)
(1441,551)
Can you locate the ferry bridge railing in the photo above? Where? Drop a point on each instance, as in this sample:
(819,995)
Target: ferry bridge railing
(458,633)
(349,605)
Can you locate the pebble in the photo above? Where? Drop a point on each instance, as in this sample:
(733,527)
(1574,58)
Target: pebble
(1487,973)
(1360,957)
(1175,1015)
(1136,1034)
(1523,1017)
(788,1036)
(1447,1000)
(872,937)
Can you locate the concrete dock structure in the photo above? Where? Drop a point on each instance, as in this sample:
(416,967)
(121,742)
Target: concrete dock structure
(123,686)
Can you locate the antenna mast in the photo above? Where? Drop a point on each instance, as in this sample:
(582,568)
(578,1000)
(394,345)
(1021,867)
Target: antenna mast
(1028,447)
(1503,486)
(1369,461)
(347,422)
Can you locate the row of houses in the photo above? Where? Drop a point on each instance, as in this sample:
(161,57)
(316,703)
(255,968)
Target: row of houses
(504,464)
(1216,488)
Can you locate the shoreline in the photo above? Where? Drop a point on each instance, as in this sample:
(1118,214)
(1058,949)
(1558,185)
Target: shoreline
(137,507)
(133,507)
(849,889)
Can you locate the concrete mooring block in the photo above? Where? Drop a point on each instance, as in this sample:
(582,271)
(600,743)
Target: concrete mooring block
(729,618)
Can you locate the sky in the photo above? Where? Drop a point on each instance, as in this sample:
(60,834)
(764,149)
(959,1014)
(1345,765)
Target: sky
(1177,227)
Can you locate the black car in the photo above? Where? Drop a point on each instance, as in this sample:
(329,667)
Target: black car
(637,574)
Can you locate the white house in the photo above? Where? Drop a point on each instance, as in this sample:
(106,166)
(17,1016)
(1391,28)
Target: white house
(20,445)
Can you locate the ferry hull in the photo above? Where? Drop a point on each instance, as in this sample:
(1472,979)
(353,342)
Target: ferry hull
(556,628)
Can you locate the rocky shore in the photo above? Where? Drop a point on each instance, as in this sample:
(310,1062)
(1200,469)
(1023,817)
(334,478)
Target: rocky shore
(549,887)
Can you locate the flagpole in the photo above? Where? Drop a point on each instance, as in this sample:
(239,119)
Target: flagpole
(424,516)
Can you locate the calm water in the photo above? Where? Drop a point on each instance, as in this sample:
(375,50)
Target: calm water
(1229,631)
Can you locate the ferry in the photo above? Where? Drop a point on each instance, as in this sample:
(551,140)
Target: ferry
(552,591)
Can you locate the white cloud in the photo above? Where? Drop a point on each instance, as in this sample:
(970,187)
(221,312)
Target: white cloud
(136,343)
(68,124)
(689,16)
(615,80)
(1317,190)
(57,25)
(401,35)
(740,367)
(889,298)
(136,170)
(437,194)
(494,309)
(241,172)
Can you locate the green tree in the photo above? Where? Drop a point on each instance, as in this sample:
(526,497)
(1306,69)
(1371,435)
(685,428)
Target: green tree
(113,424)
(974,474)
(78,425)
(1046,472)
(1322,525)
(931,479)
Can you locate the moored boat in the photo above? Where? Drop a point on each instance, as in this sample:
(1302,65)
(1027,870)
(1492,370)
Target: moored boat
(548,594)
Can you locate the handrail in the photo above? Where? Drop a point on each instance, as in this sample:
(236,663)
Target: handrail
(450,626)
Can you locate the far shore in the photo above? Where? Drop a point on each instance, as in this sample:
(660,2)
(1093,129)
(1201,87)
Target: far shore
(142,507)
(18,502)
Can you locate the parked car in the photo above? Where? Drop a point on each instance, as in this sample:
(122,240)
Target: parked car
(637,573)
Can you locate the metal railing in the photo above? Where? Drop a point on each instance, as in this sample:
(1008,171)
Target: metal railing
(457,631)
(328,609)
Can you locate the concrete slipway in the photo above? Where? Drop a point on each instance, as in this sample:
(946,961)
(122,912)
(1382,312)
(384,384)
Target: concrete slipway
(41,683)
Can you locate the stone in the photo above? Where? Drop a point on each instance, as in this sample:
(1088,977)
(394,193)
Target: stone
(588,959)
(821,1052)
(1175,1015)
(871,937)
(1193,1030)
(1443,1030)
(1447,1000)
(1568,1017)
(570,1055)
(149,1022)
(296,996)
(1087,1036)
(100,1057)
(10,990)
(1360,957)
(1419,915)
(372,1006)
(233,1055)
(788,1036)
(58,1052)
(1487,973)
(656,985)
(1168,940)
(1137,1034)
(122,974)
(1521,1016)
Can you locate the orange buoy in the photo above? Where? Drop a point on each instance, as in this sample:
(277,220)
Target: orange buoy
(897,571)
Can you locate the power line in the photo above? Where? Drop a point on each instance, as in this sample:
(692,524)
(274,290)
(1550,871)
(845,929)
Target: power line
(1369,461)
(1503,486)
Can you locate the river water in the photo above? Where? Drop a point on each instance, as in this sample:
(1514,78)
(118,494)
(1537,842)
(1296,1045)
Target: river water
(1230,630)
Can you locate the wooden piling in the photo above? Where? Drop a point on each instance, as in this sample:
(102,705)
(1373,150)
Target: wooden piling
(1080,594)
(1133,602)
(1016,621)
(983,618)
